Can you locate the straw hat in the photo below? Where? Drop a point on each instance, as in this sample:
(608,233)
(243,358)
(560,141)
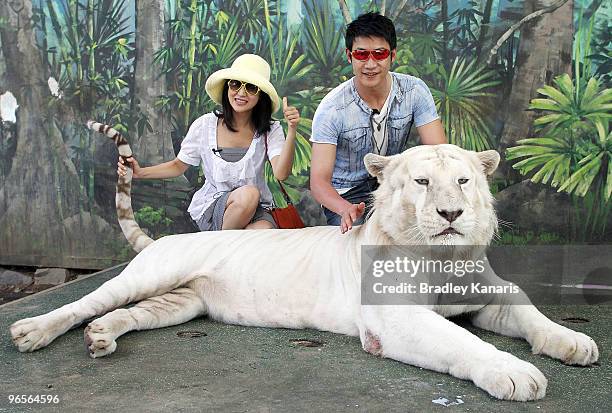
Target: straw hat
(248,68)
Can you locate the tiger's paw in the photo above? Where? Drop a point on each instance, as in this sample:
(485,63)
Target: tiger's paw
(99,340)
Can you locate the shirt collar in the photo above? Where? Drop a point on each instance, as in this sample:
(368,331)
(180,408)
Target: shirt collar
(395,94)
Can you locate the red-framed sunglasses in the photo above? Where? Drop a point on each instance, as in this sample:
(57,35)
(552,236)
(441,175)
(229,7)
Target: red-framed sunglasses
(377,54)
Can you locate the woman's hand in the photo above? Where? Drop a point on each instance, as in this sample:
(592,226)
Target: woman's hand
(122,168)
(170,169)
(292,116)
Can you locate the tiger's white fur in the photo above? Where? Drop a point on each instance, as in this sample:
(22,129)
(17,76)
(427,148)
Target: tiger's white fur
(310,278)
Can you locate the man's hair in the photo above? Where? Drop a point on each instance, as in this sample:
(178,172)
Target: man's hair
(371,24)
(261,116)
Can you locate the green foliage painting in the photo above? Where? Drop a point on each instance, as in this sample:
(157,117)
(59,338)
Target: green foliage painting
(573,151)
(544,103)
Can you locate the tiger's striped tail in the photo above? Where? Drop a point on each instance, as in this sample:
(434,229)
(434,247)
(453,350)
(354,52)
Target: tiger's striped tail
(123,199)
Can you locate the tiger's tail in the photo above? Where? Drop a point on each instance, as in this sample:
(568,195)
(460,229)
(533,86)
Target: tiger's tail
(123,198)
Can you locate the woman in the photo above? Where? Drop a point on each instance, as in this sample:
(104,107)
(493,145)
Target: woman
(231,147)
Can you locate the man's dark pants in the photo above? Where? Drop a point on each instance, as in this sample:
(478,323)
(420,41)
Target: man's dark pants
(357,194)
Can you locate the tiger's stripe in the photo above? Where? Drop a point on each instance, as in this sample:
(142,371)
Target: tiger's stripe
(123,198)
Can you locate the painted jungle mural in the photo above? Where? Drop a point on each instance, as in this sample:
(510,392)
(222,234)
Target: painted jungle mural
(529,78)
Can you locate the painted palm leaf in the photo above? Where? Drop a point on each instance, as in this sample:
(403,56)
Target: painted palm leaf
(576,166)
(569,106)
(281,48)
(576,155)
(323,41)
(460,103)
(308,100)
(299,170)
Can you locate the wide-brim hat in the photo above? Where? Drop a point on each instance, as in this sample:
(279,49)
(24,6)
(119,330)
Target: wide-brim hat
(248,68)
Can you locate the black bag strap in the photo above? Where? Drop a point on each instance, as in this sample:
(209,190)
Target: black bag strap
(282,188)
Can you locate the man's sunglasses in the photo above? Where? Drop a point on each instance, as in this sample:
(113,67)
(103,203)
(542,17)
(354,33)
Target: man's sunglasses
(377,54)
(236,85)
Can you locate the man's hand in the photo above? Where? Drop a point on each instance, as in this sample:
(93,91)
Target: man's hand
(350,215)
(321,168)
(292,116)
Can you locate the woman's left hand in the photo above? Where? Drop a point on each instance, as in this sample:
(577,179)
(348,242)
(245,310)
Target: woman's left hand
(292,116)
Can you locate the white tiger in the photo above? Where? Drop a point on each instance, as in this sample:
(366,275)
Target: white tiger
(310,278)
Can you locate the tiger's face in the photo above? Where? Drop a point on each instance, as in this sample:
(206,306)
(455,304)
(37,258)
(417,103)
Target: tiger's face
(435,195)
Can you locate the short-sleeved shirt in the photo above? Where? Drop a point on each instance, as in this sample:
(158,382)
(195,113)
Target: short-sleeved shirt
(222,176)
(343,119)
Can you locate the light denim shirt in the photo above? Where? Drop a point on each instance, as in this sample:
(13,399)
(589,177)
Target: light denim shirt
(343,119)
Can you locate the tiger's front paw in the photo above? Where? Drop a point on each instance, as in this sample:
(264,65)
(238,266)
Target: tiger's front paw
(566,345)
(510,378)
(99,340)
(30,334)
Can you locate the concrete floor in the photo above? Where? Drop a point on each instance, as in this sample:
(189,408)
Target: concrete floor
(240,369)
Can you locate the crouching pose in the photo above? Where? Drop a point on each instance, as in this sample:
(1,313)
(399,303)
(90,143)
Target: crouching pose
(233,145)
(428,195)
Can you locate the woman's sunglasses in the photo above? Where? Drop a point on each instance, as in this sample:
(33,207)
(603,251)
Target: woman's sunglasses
(377,54)
(236,85)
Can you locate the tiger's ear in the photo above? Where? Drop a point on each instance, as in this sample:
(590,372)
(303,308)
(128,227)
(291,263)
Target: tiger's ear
(376,163)
(489,161)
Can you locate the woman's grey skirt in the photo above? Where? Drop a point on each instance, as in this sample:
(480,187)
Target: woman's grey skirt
(212,219)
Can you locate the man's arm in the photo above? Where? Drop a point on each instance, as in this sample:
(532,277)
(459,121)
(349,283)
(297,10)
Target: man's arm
(426,118)
(321,169)
(432,133)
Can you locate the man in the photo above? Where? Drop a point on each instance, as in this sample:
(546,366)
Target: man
(372,112)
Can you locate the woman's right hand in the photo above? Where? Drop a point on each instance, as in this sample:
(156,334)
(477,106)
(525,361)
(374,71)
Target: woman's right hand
(292,115)
(122,168)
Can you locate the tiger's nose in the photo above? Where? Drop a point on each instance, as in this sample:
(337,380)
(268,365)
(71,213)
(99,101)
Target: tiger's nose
(450,216)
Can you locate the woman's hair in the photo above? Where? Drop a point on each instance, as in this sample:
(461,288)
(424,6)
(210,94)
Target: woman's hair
(261,115)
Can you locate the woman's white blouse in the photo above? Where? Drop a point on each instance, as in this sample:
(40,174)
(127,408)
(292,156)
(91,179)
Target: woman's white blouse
(222,176)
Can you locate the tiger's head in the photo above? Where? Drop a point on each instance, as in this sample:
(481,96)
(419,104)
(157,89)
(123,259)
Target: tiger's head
(434,195)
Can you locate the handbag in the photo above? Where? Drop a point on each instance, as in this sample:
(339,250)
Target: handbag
(288,217)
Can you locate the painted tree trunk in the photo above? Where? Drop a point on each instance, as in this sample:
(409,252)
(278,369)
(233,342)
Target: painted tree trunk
(484,27)
(345,11)
(42,221)
(445,32)
(551,37)
(155,146)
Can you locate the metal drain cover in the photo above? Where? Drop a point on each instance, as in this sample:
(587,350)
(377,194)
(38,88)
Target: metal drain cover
(576,320)
(303,342)
(191,334)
